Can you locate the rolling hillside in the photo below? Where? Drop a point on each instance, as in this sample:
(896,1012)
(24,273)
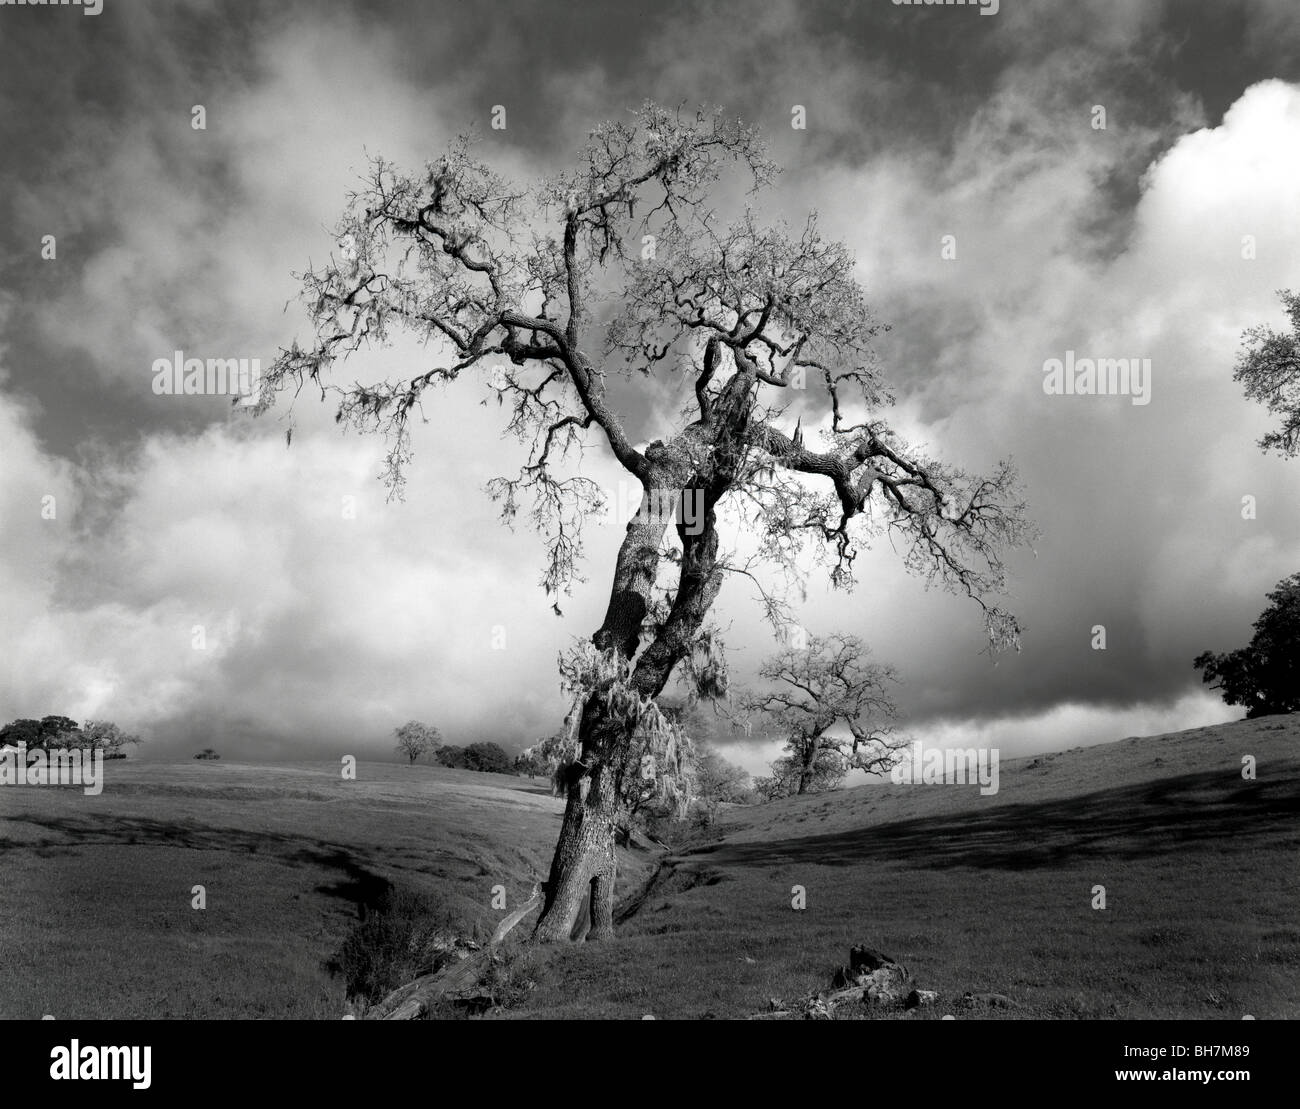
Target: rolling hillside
(1201,871)
(97,890)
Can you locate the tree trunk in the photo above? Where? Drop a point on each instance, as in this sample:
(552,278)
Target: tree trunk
(583,867)
(806,770)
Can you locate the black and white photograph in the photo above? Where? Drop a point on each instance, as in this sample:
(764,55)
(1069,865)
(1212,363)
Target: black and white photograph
(598,511)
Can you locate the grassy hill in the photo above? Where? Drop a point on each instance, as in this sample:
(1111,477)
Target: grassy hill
(1201,869)
(97,890)
(990,894)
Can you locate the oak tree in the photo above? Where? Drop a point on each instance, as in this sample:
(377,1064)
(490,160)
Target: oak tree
(1264,676)
(814,687)
(1269,366)
(415,739)
(629,270)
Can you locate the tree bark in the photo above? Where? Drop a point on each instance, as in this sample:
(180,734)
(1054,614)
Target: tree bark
(583,868)
(806,771)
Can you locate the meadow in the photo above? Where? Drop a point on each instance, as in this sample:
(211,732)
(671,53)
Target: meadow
(1200,867)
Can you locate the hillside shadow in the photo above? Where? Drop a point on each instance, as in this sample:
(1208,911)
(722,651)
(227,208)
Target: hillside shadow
(357,884)
(1134,822)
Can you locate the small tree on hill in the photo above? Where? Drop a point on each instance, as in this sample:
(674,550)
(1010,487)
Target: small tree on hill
(543,757)
(1264,676)
(101,735)
(415,739)
(56,730)
(451,756)
(828,682)
(63,731)
(488,758)
(1269,366)
(792,774)
(718,780)
(19,731)
(485,758)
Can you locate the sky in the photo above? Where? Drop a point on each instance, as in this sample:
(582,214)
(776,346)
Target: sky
(171,564)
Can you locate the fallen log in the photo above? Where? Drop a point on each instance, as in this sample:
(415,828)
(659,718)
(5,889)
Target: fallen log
(503,929)
(412,1001)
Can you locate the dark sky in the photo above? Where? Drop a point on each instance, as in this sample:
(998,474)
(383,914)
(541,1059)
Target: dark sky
(322,633)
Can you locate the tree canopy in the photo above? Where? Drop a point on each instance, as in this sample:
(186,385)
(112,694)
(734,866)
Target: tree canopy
(1264,676)
(1269,366)
(813,687)
(415,738)
(642,266)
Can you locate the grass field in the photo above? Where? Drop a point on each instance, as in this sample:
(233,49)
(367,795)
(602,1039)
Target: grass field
(986,894)
(990,894)
(97,890)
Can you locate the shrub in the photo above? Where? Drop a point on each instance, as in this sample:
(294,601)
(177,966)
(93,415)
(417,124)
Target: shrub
(404,935)
(487,758)
(1264,675)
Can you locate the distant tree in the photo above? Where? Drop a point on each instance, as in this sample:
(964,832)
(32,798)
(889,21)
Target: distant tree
(663,756)
(1264,676)
(687,714)
(828,682)
(99,735)
(452,756)
(1269,366)
(415,739)
(537,761)
(63,731)
(720,781)
(55,729)
(207,753)
(792,775)
(21,731)
(488,758)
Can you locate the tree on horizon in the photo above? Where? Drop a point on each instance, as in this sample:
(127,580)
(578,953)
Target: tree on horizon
(415,739)
(1264,676)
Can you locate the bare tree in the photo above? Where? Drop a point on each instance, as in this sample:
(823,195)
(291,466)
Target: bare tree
(415,739)
(535,760)
(623,268)
(813,688)
(719,780)
(1269,365)
(790,771)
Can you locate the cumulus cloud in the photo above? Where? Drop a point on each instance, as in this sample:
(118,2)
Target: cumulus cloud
(322,630)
